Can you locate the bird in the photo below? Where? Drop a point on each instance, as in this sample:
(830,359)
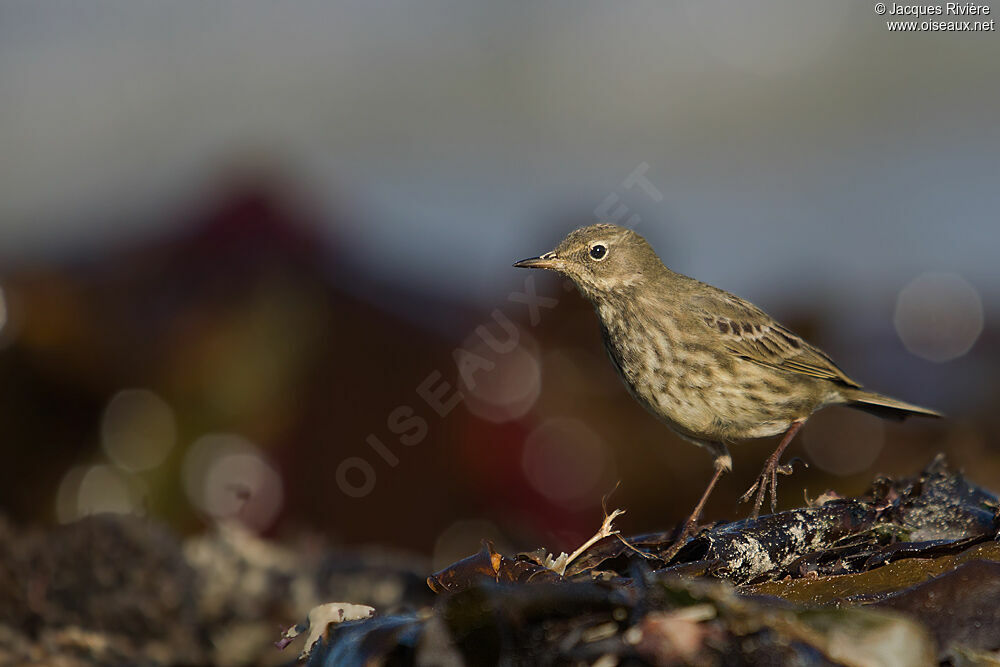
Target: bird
(713,367)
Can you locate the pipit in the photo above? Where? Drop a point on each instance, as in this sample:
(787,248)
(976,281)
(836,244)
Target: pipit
(714,368)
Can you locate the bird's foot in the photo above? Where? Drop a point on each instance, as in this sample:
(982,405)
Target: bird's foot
(769,474)
(723,462)
(690,528)
(768,481)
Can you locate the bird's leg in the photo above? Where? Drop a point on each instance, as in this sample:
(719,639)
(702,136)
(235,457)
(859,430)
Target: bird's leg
(721,465)
(769,474)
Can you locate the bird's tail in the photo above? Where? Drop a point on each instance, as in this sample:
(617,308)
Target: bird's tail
(884,406)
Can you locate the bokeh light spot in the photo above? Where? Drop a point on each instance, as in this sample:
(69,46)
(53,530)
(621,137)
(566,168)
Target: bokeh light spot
(97,489)
(566,461)
(68,494)
(227,477)
(137,429)
(3,310)
(509,387)
(842,441)
(939,316)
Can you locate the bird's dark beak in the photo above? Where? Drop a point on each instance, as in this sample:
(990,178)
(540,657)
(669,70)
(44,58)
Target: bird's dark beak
(547,261)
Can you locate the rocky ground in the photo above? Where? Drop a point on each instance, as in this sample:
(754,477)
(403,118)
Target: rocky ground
(906,574)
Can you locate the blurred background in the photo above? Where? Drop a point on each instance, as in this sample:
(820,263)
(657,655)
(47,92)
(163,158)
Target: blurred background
(241,243)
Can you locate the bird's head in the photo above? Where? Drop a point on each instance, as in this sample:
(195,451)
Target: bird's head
(601,259)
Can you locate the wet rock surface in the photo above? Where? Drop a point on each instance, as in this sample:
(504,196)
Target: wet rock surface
(907,573)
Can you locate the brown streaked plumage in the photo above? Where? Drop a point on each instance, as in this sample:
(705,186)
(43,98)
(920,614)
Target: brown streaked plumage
(715,368)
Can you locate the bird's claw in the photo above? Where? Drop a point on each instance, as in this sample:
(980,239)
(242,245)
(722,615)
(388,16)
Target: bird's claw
(757,491)
(745,498)
(774,487)
(789,468)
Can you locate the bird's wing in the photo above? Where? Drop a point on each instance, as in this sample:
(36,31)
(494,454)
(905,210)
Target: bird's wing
(751,334)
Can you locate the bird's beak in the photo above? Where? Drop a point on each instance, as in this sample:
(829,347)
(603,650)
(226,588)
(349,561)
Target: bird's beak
(547,261)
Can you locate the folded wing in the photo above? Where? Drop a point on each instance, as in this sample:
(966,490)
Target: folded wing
(751,334)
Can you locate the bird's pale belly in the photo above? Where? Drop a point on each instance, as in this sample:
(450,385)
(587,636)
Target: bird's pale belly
(710,412)
(701,398)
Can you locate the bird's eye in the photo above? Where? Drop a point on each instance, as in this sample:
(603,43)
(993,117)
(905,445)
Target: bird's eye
(598,252)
